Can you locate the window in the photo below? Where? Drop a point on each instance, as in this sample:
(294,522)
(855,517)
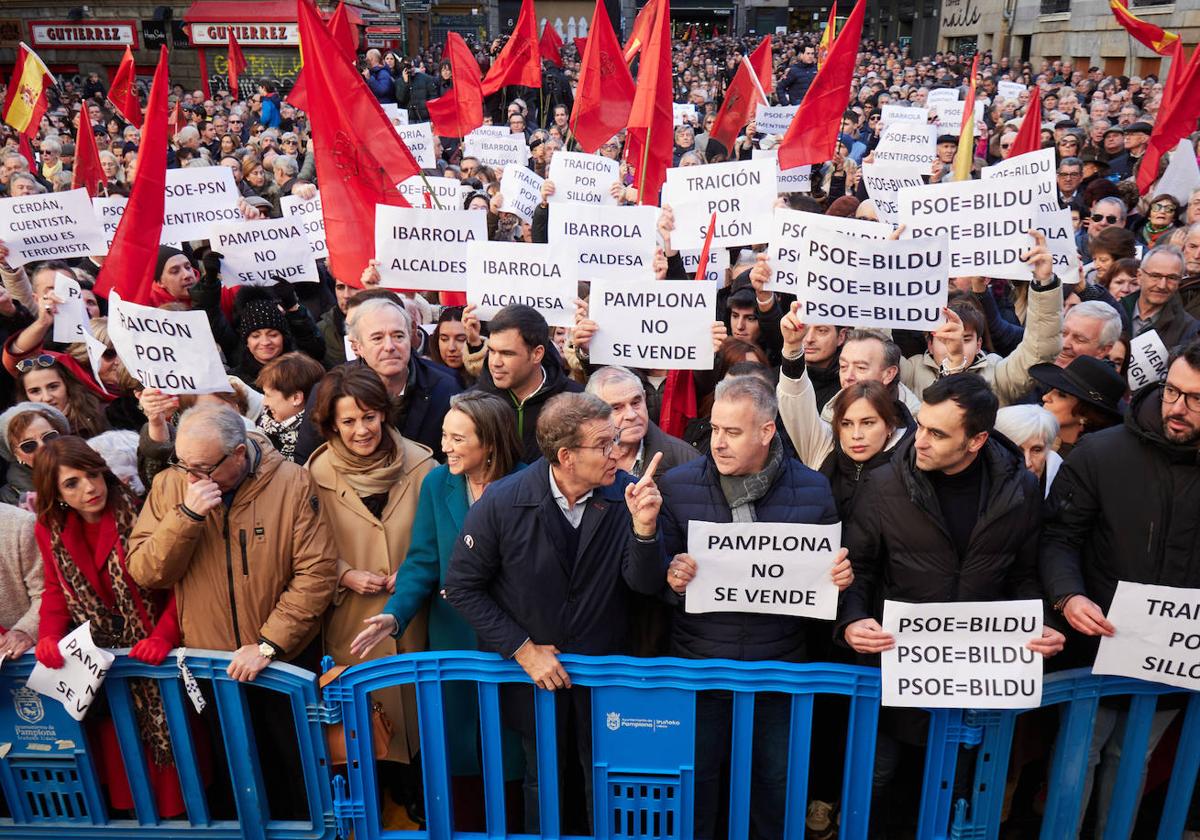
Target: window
(1055,7)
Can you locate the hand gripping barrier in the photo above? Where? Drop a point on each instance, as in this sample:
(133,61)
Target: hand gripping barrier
(50,781)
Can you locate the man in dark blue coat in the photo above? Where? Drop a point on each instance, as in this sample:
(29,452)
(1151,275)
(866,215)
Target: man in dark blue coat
(545,564)
(798,78)
(746,478)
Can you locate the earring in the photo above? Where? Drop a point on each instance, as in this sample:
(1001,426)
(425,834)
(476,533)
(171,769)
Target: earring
(62,504)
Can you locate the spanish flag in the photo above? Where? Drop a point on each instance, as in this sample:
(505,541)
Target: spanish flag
(26,100)
(1154,37)
(964,158)
(827,36)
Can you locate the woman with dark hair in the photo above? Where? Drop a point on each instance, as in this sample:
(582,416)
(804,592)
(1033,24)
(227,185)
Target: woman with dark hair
(367,478)
(85,516)
(1084,397)
(1122,278)
(58,381)
(270,322)
(1108,247)
(481,446)
(457,344)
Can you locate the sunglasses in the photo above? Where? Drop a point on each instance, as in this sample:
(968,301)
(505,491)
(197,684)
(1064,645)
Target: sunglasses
(43,360)
(1100,217)
(1163,207)
(31,446)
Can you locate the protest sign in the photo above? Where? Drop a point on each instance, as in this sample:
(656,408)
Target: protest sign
(1010,90)
(71,320)
(883,182)
(491,131)
(1053,221)
(984,220)
(864,282)
(419,139)
(1147,360)
(397,115)
(108,211)
(796,179)
(741,193)
(1157,635)
(198,197)
(683,113)
(496,149)
(308,214)
(647,323)
(718,263)
(259,252)
(969,655)
(583,178)
(503,273)
(521,189)
(1039,164)
(77,683)
(774,119)
(950,116)
(171,351)
(912,146)
(612,243)
(939,95)
(1182,174)
(444,193)
(426,249)
(53,226)
(790,230)
(895,113)
(780,568)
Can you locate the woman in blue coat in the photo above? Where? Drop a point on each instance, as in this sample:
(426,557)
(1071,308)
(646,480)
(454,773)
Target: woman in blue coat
(481,446)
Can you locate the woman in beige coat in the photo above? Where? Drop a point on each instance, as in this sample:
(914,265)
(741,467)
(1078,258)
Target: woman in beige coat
(369,479)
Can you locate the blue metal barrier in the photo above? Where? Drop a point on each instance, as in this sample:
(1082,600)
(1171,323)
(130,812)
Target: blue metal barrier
(50,782)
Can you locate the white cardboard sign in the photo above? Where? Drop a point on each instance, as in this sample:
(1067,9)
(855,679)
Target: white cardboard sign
(51,226)
(311,218)
(1010,90)
(257,252)
(683,112)
(504,273)
(522,191)
(398,115)
(583,178)
(495,149)
(71,321)
(883,182)
(612,243)
(1147,360)
(77,683)
(937,96)
(779,568)
(894,113)
(968,655)
(171,351)
(718,263)
(908,144)
(741,193)
(419,139)
(197,198)
(426,249)
(774,119)
(797,179)
(444,193)
(653,323)
(1157,635)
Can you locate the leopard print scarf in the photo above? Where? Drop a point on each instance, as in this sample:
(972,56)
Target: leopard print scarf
(119,627)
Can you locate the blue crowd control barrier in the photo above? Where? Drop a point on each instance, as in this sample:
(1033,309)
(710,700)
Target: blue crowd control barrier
(50,782)
(643,736)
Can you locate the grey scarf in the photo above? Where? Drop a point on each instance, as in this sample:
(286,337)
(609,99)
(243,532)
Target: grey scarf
(742,491)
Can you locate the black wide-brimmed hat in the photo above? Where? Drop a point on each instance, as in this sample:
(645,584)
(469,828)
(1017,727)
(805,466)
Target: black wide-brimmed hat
(1094,381)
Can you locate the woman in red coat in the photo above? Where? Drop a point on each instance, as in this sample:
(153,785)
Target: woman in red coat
(85,515)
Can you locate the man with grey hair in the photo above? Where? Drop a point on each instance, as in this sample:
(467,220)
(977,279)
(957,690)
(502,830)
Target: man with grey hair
(1189,289)
(1089,329)
(747,478)
(546,564)
(1106,212)
(286,181)
(641,439)
(1156,305)
(380,333)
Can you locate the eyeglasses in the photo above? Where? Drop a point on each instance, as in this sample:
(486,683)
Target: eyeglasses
(1100,217)
(1069,174)
(1006,145)
(43,360)
(31,446)
(1163,207)
(607,447)
(1171,395)
(1161,278)
(175,463)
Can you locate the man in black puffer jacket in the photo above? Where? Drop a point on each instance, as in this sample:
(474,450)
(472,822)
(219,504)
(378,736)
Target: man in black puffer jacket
(747,478)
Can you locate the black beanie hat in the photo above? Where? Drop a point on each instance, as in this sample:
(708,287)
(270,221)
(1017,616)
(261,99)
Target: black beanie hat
(165,252)
(258,309)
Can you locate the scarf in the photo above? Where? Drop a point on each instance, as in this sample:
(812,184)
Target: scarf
(282,434)
(742,491)
(374,473)
(123,626)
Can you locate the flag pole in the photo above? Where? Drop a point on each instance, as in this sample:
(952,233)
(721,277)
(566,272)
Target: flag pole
(429,187)
(645,157)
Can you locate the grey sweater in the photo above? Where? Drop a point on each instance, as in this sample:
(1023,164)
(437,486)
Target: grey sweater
(20,571)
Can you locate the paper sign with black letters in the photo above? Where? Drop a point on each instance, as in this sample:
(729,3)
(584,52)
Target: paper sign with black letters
(307,211)
(504,273)
(77,683)
(522,191)
(653,323)
(259,252)
(741,193)
(197,198)
(171,351)
(51,226)
(426,249)
(612,243)
(583,178)
(1157,635)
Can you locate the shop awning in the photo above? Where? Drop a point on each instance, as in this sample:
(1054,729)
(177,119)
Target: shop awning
(234,11)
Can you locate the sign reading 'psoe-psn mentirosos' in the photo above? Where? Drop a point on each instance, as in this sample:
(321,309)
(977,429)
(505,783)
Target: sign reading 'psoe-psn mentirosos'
(969,655)
(782,568)
(653,324)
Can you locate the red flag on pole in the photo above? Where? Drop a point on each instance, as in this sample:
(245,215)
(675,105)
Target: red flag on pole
(605,91)
(744,95)
(86,171)
(121,92)
(812,135)
(178,121)
(702,269)
(1029,135)
(641,30)
(344,31)
(1153,37)
(129,268)
(650,135)
(458,111)
(678,402)
(237,63)
(519,63)
(26,150)
(1176,116)
(550,45)
(581,44)
(359,156)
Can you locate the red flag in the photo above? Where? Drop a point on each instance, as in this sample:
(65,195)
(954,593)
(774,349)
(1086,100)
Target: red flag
(121,93)
(745,93)
(129,268)
(1176,116)
(519,63)
(651,133)
(812,136)
(178,121)
(678,402)
(763,62)
(641,30)
(605,91)
(550,45)
(237,63)
(344,31)
(1029,135)
(86,171)
(26,150)
(360,158)
(702,269)
(458,111)
(1153,37)
(581,44)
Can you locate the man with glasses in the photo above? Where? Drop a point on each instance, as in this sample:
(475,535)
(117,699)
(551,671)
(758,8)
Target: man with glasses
(545,564)
(1156,305)
(1070,174)
(1104,526)
(1105,212)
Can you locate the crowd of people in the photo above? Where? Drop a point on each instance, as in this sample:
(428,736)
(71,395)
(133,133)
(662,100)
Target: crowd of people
(462,484)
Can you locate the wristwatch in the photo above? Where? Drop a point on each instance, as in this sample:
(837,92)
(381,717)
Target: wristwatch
(266,649)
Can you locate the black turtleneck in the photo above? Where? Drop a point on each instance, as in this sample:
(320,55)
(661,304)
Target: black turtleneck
(958,497)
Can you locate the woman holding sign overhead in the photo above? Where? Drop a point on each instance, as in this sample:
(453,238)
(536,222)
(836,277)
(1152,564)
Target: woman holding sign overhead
(85,516)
